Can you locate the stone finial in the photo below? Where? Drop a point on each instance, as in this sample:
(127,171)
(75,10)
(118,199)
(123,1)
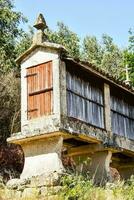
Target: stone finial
(127,81)
(40,25)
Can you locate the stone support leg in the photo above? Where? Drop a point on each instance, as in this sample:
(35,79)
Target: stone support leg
(96,165)
(42,157)
(99,168)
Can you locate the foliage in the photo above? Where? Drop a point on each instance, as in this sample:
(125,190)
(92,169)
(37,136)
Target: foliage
(79,187)
(92,50)
(75,186)
(112,61)
(24,43)
(104,54)
(131,40)
(66,38)
(9,33)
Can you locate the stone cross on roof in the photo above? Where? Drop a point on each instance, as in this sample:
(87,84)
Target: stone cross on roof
(40,25)
(127,81)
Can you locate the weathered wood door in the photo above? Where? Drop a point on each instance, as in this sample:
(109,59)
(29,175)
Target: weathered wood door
(40,90)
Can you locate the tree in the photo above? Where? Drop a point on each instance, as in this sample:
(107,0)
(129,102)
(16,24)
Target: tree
(24,43)
(9,33)
(105,54)
(92,50)
(66,38)
(112,60)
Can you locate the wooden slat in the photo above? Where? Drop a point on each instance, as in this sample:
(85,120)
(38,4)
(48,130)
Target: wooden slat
(51,102)
(35,101)
(50,74)
(81,96)
(40,91)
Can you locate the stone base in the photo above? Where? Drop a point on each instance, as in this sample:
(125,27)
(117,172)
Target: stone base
(38,165)
(100,167)
(42,157)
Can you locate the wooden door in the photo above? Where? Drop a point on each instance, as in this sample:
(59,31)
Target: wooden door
(40,90)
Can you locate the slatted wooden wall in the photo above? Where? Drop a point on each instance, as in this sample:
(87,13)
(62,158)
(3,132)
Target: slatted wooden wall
(122,115)
(85,99)
(40,90)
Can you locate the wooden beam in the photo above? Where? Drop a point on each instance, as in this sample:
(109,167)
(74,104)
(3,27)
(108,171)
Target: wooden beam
(88,138)
(89,149)
(126,165)
(85,149)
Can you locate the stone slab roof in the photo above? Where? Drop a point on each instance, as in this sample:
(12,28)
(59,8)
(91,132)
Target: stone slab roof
(50,45)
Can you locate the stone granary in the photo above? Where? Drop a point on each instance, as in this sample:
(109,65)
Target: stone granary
(72,108)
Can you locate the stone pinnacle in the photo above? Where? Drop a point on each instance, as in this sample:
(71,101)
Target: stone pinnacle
(40,23)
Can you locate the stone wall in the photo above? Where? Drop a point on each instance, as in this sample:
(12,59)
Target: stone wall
(41,187)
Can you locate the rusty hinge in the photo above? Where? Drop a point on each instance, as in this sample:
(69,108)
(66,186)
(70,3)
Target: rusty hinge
(32,110)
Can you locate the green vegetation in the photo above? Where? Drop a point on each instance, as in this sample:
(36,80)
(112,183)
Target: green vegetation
(66,38)
(79,187)
(76,187)
(10,33)
(104,54)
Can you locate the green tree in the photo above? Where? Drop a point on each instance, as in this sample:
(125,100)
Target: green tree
(9,33)
(112,60)
(25,42)
(92,50)
(66,38)
(105,54)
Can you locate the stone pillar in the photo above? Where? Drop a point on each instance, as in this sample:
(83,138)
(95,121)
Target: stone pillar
(63,89)
(56,86)
(99,168)
(42,157)
(107,110)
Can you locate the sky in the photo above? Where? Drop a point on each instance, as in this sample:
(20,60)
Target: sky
(84,17)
